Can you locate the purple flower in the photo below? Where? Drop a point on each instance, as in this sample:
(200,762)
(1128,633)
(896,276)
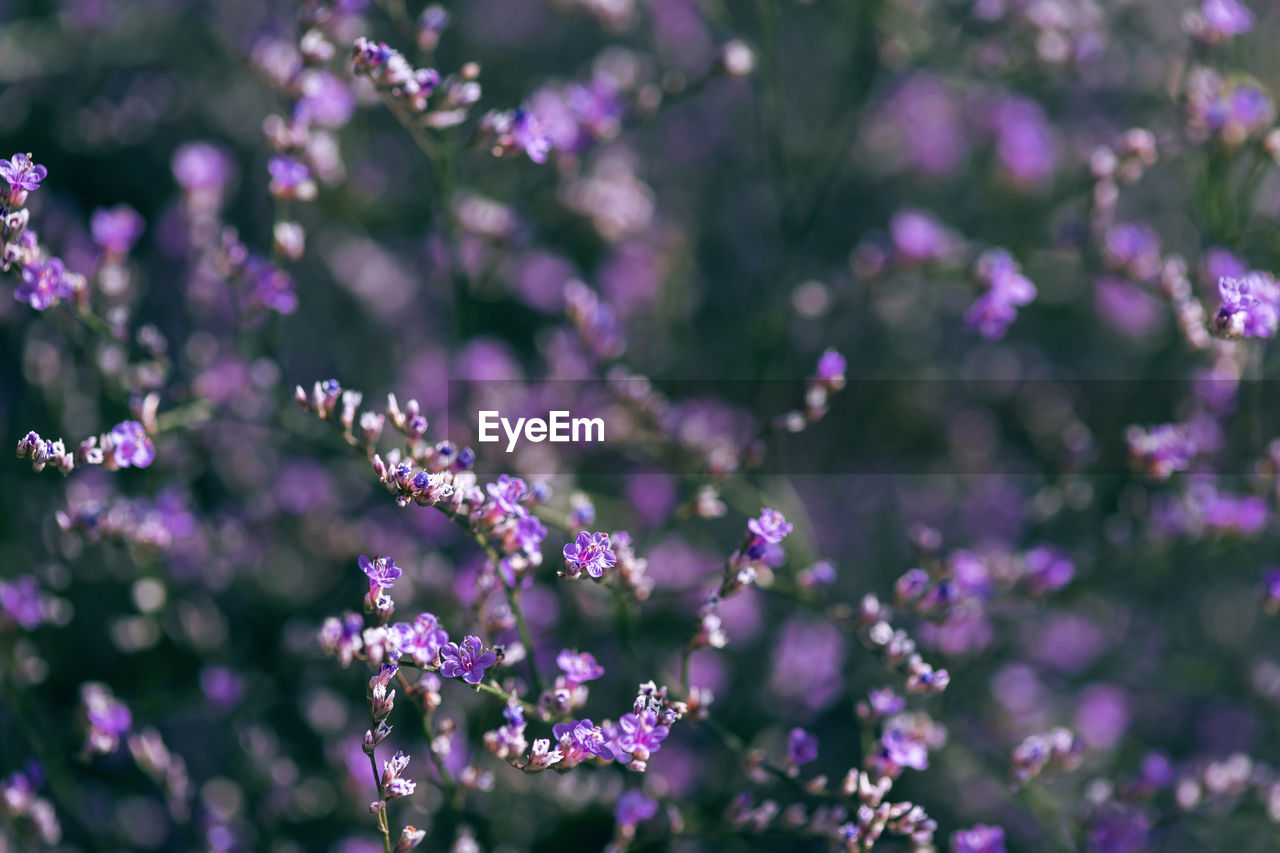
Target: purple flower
(43,284)
(529,134)
(579,667)
(904,748)
(468,661)
(20,601)
(1248,307)
(591,553)
(325,100)
(1228,17)
(1048,569)
(1025,143)
(802,747)
(919,237)
(131,446)
(201,167)
(529,534)
(581,740)
(270,287)
(21,173)
(223,687)
(290,178)
(107,717)
(639,736)
(771,526)
(634,808)
(1119,829)
(507,493)
(978,839)
(422,640)
(831,367)
(381,571)
(1161,450)
(117,228)
(1134,249)
(1270,591)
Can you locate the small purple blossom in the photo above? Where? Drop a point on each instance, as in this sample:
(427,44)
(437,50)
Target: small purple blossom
(578,667)
(634,808)
(22,174)
(131,446)
(468,661)
(528,133)
(978,839)
(638,736)
(591,553)
(902,747)
(1249,307)
(43,284)
(201,167)
(117,228)
(381,571)
(106,716)
(802,747)
(831,367)
(771,526)
(507,494)
(1227,17)
(581,740)
(529,534)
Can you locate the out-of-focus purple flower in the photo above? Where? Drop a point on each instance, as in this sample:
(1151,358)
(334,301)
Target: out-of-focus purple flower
(772,526)
(22,174)
(382,572)
(1102,715)
(1025,143)
(802,747)
(831,367)
(1239,514)
(1048,569)
(529,533)
(270,286)
(290,178)
(131,446)
(634,808)
(1227,17)
(508,493)
(902,747)
(468,661)
(978,839)
(528,133)
(1248,307)
(1161,450)
(1271,591)
(590,553)
(1134,249)
(919,237)
(43,284)
(117,228)
(201,167)
(326,100)
(223,687)
(21,602)
(1119,828)
(578,667)
(106,716)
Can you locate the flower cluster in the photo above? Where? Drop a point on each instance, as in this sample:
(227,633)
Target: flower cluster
(1059,749)
(20,804)
(1004,290)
